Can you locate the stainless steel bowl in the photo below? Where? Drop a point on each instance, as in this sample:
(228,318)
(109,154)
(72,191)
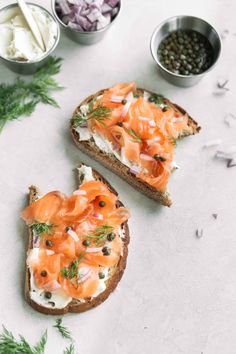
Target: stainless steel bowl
(29,67)
(184,23)
(86,38)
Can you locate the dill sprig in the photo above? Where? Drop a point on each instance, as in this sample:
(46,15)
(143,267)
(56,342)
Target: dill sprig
(21,97)
(72,271)
(100,234)
(78,119)
(10,345)
(100,113)
(70,349)
(42,228)
(134,135)
(62,329)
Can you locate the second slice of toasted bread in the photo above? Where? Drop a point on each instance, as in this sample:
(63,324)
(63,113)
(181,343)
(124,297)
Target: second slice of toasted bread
(115,273)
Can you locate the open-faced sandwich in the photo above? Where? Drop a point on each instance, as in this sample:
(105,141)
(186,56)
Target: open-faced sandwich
(78,245)
(133,132)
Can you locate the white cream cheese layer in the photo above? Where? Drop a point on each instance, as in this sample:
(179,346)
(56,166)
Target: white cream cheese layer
(17,41)
(59,299)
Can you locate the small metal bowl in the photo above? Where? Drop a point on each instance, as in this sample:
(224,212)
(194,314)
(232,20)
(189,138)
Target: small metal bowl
(184,23)
(89,37)
(29,67)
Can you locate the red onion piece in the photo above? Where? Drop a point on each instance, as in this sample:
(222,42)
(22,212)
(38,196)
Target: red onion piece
(113,3)
(135,169)
(98,216)
(116,99)
(152,123)
(80,192)
(84,273)
(146,157)
(52,285)
(93,249)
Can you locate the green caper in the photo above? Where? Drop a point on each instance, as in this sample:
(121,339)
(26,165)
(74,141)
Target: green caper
(111,236)
(106,251)
(48,243)
(158,157)
(124,102)
(102,204)
(86,243)
(101,275)
(47,295)
(43,273)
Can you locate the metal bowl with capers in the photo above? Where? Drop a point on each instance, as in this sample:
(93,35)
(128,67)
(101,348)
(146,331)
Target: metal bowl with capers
(185,48)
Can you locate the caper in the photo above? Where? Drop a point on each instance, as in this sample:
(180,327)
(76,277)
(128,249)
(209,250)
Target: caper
(102,203)
(120,124)
(86,243)
(106,251)
(48,243)
(43,273)
(124,102)
(101,275)
(111,236)
(159,157)
(47,295)
(68,228)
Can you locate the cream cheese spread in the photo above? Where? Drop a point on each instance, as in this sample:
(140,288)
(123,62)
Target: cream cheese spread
(17,41)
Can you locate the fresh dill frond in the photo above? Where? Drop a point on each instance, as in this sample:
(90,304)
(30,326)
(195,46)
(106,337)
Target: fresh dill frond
(99,234)
(42,228)
(72,271)
(10,345)
(64,331)
(134,135)
(69,350)
(21,97)
(100,113)
(78,120)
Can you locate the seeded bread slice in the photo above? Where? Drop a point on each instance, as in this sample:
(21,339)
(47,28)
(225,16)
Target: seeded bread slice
(115,272)
(113,164)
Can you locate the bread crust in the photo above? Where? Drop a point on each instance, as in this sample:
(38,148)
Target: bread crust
(113,164)
(117,271)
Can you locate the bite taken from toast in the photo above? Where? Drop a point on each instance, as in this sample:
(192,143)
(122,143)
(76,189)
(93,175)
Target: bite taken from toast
(78,245)
(133,132)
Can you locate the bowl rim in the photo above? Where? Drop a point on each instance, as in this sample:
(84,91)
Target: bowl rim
(25,63)
(153,49)
(83,32)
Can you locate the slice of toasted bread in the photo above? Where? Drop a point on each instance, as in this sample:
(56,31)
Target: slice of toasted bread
(113,164)
(115,272)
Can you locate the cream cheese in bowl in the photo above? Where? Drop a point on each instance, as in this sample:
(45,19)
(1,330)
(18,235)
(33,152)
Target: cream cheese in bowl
(17,41)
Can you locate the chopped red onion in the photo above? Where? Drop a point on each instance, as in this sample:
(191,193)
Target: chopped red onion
(146,157)
(113,3)
(126,109)
(80,192)
(135,169)
(98,216)
(83,274)
(64,7)
(50,252)
(87,15)
(152,123)
(74,235)
(52,285)
(93,249)
(144,118)
(106,8)
(116,99)
(36,240)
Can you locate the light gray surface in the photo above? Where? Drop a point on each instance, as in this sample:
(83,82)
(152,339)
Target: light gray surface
(178,293)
